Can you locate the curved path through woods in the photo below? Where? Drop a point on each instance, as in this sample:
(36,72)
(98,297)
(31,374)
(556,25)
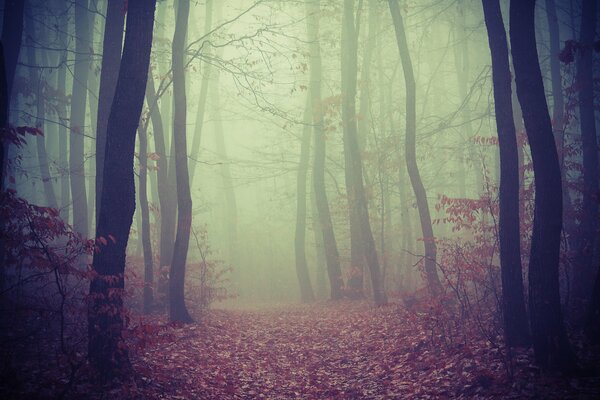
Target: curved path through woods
(340,351)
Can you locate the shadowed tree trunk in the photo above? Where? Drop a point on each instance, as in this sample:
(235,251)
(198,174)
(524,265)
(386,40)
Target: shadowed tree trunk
(12,33)
(306,291)
(77,126)
(358,198)
(550,342)
(313,9)
(106,351)
(584,271)
(516,330)
(177,308)
(558,117)
(433,280)
(111,58)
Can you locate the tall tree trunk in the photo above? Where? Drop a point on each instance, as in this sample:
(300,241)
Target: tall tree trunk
(167,201)
(550,342)
(313,9)
(12,33)
(358,198)
(558,118)
(77,127)
(516,330)
(207,68)
(106,351)
(177,308)
(228,188)
(36,80)
(461,61)
(306,291)
(145,233)
(111,58)
(65,198)
(320,261)
(433,279)
(584,272)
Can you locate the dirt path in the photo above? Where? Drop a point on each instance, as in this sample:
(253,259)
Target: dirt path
(341,351)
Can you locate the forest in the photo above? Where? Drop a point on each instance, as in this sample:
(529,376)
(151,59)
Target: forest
(299,199)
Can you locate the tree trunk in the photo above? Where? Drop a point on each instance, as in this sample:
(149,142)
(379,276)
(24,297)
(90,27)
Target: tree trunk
(145,233)
(358,198)
(558,119)
(313,9)
(306,291)
(36,81)
(106,351)
(550,342)
(207,68)
(177,308)
(111,58)
(228,188)
(12,33)
(78,104)
(584,271)
(165,196)
(516,330)
(433,280)
(65,198)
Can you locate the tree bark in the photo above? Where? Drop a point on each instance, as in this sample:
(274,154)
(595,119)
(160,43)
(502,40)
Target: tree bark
(306,291)
(550,343)
(313,9)
(78,105)
(584,272)
(145,214)
(516,330)
(433,279)
(12,33)
(106,351)
(558,119)
(177,308)
(166,199)
(111,58)
(63,163)
(358,198)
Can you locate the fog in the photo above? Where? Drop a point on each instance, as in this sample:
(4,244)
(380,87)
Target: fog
(333,151)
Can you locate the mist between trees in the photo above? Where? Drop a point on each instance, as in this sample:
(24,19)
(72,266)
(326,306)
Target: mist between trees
(163,159)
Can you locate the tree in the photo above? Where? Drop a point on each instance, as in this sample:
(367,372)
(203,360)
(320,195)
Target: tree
(36,79)
(207,67)
(145,215)
(516,330)
(584,273)
(433,280)
(111,57)
(78,105)
(177,308)
(12,33)
(106,350)
(358,198)
(313,8)
(550,343)
(306,291)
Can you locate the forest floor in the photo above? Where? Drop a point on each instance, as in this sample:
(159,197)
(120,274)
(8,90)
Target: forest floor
(346,350)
